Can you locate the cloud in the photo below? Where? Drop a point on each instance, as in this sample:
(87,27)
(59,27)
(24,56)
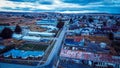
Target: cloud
(57,4)
(48,2)
(22,0)
(60,5)
(82,2)
(84,11)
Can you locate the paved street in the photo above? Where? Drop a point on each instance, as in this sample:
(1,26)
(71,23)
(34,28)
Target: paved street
(55,48)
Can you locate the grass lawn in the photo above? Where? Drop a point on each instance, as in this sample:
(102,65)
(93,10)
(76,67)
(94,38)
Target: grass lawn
(39,47)
(33,47)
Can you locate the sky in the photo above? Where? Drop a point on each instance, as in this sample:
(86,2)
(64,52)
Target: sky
(63,6)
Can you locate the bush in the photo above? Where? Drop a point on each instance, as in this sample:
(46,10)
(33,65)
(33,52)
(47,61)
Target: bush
(60,24)
(18,29)
(6,33)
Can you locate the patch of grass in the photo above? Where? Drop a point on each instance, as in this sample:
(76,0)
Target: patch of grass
(39,47)
(33,47)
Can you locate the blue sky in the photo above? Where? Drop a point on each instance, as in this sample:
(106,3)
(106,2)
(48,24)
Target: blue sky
(64,6)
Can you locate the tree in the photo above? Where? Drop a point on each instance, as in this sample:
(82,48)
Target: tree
(111,36)
(6,33)
(105,23)
(18,29)
(71,21)
(90,19)
(117,23)
(60,24)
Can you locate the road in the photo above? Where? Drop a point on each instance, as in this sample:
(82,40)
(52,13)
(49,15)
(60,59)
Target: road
(55,48)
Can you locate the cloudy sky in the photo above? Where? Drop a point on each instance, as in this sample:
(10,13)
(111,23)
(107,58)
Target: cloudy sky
(66,6)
